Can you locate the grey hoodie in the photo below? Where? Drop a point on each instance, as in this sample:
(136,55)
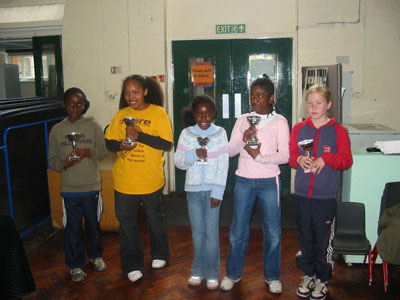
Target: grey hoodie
(84,176)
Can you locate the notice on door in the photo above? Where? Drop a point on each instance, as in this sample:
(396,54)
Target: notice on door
(202,74)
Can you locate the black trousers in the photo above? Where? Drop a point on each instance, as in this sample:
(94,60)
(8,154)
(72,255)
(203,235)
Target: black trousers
(315,220)
(76,208)
(127,211)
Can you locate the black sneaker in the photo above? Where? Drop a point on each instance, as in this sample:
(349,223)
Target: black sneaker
(306,286)
(320,290)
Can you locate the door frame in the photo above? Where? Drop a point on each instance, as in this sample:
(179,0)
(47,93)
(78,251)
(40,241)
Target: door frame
(169,88)
(37,42)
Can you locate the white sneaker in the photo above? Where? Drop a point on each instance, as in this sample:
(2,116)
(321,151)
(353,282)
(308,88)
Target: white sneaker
(77,274)
(227,283)
(275,286)
(306,286)
(195,280)
(320,290)
(158,263)
(135,275)
(212,284)
(98,264)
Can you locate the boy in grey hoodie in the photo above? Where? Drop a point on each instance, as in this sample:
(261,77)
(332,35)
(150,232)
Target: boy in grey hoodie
(80,181)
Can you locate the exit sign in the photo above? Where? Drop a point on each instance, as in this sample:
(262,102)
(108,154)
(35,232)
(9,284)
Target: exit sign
(230,28)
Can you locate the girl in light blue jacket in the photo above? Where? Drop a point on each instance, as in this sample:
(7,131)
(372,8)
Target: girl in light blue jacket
(202,151)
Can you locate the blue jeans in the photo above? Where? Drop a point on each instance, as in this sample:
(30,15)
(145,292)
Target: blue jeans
(204,222)
(247,191)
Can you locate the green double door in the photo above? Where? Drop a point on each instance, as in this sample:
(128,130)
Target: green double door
(225,69)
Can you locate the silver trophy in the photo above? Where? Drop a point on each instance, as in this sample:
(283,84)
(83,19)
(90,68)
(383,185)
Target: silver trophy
(128,140)
(203,141)
(253,121)
(306,146)
(73,137)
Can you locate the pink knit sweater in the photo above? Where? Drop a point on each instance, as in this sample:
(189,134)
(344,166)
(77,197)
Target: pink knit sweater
(274,138)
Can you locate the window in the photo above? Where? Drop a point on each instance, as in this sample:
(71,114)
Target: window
(25,64)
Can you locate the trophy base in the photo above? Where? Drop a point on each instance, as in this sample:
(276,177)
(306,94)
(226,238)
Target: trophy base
(129,143)
(202,162)
(73,158)
(252,144)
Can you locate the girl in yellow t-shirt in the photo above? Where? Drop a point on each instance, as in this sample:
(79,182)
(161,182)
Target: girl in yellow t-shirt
(138,172)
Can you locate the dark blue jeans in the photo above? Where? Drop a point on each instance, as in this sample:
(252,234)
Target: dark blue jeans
(247,191)
(76,208)
(127,210)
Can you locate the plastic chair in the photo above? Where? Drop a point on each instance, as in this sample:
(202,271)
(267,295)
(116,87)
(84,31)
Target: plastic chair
(350,237)
(390,197)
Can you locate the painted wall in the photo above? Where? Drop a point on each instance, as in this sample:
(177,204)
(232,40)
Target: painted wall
(94,39)
(367,32)
(197,19)
(377,95)
(101,34)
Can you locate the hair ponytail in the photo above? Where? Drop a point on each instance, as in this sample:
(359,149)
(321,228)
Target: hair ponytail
(155,94)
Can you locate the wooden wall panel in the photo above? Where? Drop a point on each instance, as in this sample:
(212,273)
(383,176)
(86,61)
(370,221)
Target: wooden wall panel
(108,220)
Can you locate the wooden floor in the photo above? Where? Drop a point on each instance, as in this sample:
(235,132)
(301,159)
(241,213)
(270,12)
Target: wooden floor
(53,281)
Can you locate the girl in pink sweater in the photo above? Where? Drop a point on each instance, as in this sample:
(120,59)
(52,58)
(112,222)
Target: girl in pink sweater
(257,178)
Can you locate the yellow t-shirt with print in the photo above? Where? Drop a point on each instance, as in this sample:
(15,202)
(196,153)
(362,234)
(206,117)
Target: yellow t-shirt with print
(141,170)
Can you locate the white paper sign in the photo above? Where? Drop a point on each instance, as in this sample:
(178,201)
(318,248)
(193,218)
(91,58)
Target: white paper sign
(225,106)
(238,105)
